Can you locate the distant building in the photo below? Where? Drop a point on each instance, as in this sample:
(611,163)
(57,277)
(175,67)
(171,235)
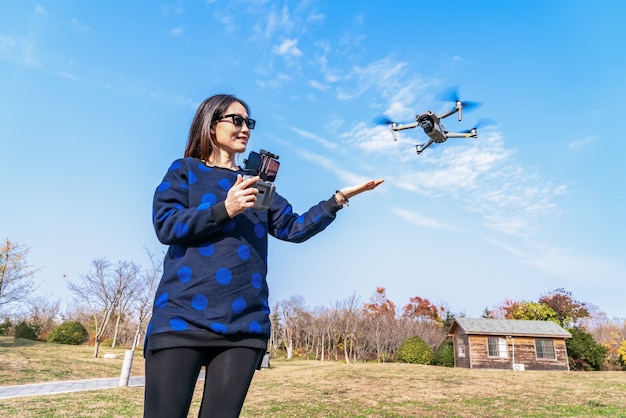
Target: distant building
(509,344)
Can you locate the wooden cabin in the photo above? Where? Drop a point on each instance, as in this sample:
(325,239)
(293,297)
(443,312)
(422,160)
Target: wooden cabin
(509,344)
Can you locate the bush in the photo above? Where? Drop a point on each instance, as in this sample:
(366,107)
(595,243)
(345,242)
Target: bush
(444,356)
(584,352)
(72,333)
(415,351)
(5,327)
(23,330)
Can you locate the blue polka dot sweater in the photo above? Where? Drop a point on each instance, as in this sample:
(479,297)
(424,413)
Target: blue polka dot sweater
(214,275)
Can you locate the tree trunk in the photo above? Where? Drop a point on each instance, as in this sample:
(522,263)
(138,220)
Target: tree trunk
(96,347)
(117,330)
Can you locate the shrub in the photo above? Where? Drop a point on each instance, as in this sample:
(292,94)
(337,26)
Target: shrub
(6,326)
(415,351)
(584,352)
(444,356)
(72,333)
(23,330)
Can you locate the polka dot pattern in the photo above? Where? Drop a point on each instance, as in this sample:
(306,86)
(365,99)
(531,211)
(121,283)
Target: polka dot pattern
(223,276)
(184,274)
(199,302)
(214,272)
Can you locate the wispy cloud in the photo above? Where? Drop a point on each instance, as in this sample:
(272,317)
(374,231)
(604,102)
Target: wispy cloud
(176,32)
(40,10)
(564,264)
(289,47)
(419,219)
(68,76)
(329,164)
(319,140)
(79,26)
(582,143)
(19,50)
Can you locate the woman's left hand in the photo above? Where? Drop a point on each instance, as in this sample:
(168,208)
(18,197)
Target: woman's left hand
(352,191)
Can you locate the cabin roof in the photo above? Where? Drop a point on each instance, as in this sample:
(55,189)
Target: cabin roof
(512,327)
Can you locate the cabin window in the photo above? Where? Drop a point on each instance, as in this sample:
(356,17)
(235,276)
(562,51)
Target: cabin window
(460,344)
(545,349)
(497,347)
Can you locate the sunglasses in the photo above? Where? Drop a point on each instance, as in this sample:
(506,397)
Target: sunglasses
(239,120)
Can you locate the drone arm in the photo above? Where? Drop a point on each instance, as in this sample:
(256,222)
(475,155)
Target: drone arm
(458,107)
(396,127)
(421,147)
(471,134)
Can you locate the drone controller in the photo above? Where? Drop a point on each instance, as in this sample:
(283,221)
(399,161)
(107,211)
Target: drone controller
(265,165)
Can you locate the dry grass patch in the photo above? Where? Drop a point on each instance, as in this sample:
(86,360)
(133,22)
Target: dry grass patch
(301,388)
(25,361)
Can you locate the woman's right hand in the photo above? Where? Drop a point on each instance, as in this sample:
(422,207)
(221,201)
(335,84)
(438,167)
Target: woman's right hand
(241,196)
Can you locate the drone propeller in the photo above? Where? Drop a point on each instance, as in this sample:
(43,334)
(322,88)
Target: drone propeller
(482,123)
(382,120)
(452,95)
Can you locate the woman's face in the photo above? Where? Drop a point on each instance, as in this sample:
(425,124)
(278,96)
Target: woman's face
(230,138)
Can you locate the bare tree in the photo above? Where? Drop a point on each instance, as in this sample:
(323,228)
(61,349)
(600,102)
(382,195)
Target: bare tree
(44,315)
(128,287)
(145,296)
(348,317)
(292,308)
(16,276)
(103,291)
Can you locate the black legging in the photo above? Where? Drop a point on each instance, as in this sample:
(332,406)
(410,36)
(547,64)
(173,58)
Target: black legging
(171,376)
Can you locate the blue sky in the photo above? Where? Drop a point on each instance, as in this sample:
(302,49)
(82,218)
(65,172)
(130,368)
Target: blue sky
(97,97)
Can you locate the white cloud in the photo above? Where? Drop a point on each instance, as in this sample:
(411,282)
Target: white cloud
(79,26)
(308,135)
(318,86)
(177,31)
(19,50)
(419,219)
(276,82)
(40,10)
(582,143)
(330,165)
(68,76)
(288,48)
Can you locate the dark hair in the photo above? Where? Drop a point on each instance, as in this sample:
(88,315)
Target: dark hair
(201,142)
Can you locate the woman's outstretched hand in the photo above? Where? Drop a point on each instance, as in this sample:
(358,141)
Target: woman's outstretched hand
(352,191)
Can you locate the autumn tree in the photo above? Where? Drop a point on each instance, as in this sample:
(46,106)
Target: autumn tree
(567,310)
(423,318)
(421,309)
(380,317)
(525,310)
(16,276)
(621,354)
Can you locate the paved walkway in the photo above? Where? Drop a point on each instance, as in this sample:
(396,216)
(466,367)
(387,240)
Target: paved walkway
(51,388)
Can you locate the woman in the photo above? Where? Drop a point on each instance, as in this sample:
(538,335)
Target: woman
(211,307)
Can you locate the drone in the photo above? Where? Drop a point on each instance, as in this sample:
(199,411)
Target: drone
(432,125)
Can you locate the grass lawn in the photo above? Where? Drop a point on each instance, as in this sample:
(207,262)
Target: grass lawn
(301,388)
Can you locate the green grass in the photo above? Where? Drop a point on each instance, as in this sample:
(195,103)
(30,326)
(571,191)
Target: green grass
(302,388)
